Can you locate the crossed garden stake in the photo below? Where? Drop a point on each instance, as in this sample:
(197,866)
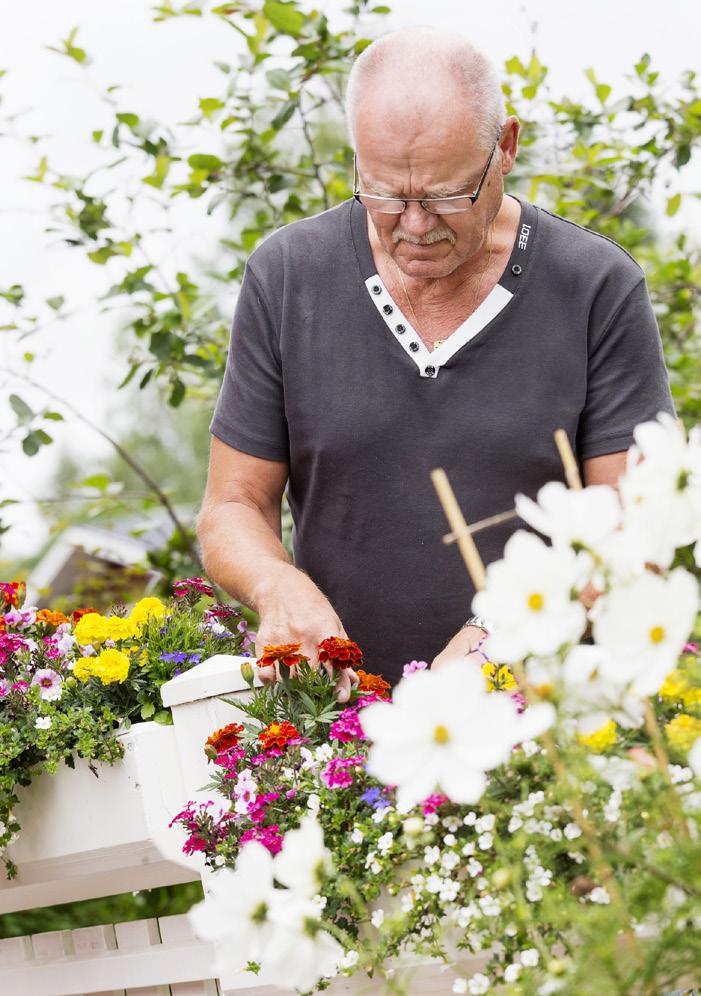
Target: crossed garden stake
(461,533)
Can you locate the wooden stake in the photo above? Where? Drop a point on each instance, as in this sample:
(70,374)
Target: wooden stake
(568,461)
(493,520)
(459,529)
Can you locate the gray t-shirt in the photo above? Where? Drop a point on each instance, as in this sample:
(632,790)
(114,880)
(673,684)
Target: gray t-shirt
(325,372)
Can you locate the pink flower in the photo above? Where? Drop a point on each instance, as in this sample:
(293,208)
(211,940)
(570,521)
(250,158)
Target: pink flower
(338,773)
(21,618)
(412,667)
(347,727)
(49,684)
(433,802)
(267,836)
(4,688)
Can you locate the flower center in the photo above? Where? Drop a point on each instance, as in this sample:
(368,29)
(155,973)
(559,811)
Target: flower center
(260,913)
(657,634)
(441,735)
(536,601)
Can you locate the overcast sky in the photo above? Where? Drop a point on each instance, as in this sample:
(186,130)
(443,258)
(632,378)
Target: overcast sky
(163,69)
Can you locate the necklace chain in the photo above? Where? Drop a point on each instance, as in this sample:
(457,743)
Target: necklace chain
(439,342)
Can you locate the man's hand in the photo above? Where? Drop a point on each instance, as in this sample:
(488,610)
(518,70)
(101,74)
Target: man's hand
(293,610)
(462,647)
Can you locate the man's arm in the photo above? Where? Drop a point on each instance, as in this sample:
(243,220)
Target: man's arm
(240,537)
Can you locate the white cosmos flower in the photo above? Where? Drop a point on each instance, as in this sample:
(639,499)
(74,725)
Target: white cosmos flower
(443,731)
(529,598)
(237,910)
(303,858)
(645,625)
(664,487)
(587,517)
(593,690)
(300,951)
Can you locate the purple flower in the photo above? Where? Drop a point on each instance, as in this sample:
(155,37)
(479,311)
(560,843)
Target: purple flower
(4,688)
(49,684)
(374,798)
(412,667)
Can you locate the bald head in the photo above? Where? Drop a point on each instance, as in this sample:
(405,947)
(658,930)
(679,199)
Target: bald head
(418,76)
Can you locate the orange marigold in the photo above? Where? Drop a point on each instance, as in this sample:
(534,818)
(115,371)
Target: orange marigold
(278,735)
(225,738)
(51,618)
(341,653)
(373,683)
(283,653)
(79,613)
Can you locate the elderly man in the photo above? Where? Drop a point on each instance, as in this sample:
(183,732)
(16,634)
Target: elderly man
(431,321)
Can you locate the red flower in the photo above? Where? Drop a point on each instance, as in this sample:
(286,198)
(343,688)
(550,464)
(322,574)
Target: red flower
(278,735)
(373,683)
(224,739)
(283,653)
(79,613)
(341,653)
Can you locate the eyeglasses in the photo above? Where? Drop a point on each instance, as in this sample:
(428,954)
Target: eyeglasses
(434,205)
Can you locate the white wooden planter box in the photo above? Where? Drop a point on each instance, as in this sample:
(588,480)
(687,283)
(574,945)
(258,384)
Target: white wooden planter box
(85,837)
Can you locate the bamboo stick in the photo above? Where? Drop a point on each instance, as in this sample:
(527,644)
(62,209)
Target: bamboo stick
(459,529)
(493,520)
(568,460)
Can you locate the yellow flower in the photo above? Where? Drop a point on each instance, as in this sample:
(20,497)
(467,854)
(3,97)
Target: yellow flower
(499,677)
(692,699)
(600,739)
(91,628)
(674,686)
(682,731)
(109,666)
(121,629)
(146,609)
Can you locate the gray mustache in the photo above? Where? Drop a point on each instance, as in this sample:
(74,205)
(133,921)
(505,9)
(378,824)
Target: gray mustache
(435,235)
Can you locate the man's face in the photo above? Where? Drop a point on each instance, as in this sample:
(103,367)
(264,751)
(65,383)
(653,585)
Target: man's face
(426,158)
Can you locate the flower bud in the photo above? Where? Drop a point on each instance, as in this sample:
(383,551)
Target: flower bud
(247,673)
(413,826)
(501,878)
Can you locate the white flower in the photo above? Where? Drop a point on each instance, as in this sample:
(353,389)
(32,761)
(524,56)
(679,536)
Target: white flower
(443,731)
(490,906)
(618,772)
(599,895)
(474,868)
(485,823)
(470,819)
(572,831)
(587,517)
(449,890)
(594,692)
(484,841)
(303,859)
(530,957)
(460,986)
(349,960)
(511,972)
(434,883)
(515,823)
(49,682)
(645,625)
(323,753)
(465,915)
(299,952)
(529,598)
(432,855)
(450,840)
(679,775)
(413,826)
(43,722)
(385,842)
(664,488)
(377,918)
(313,803)
(237,909)
(556,834)
(478,985)
(694,758)
(468,849)
(450,860)
(357,836)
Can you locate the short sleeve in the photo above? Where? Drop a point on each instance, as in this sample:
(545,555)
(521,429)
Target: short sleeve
(627,380)
(250,411)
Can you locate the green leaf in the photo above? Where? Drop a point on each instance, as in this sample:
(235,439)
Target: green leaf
(21,409)
(130,120)
(211,164)
(98,481)
(673,204)
(177,393)
(163,717)
(284,114)
(147,710)
(284,17)
(279,79)
(56,302)
(30,444)
(54,416)
(208,105)
(97,136)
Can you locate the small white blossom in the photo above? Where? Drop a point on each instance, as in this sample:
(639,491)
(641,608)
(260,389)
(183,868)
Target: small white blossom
(377,918)
(434,883)
(530,957)
(385,842)
(449,891)
(432,855)
(678,774)
(465,915)
(511,972)
(323,753)
(357,836)
(460,986)
(379,814)
(485,823)
(612,808)
(413,826)
(481,883)
(468,849)
(470,819)
(369,858)
(430,820)
(515,823)
(407,900)
(490,905)
(450,860)
(556,834)
(474,868)
(450,840)
(451,823)
(376,867)
(478,985)
(511,930)
(529,747)
(485,841)
(572,831)
(313,803)
(43,722)
(599,895)
(349,960)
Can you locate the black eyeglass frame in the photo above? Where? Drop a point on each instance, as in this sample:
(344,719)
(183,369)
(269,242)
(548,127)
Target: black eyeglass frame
(425,201)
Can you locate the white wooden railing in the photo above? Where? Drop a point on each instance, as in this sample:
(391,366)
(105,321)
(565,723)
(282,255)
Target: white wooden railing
(85,837)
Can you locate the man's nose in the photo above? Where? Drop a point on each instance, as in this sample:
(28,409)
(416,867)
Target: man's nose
(414,220)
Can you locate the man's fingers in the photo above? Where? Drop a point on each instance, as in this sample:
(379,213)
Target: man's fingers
(345,682)
(267,674)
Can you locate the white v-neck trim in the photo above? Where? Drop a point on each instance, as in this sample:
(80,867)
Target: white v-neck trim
(429,363)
